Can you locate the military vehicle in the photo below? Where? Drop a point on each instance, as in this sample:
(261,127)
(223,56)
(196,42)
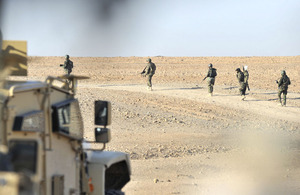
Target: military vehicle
(42,130)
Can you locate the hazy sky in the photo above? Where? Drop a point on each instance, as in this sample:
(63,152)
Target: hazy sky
(154,27)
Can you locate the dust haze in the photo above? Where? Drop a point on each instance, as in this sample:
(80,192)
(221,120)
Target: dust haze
(182,141)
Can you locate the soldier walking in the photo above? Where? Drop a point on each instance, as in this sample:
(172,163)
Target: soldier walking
(283,84)
(246,77)
(241,79)
(148,72)
(211,74)
(68,65)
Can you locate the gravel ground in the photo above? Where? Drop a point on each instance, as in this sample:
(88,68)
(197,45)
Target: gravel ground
(182,141)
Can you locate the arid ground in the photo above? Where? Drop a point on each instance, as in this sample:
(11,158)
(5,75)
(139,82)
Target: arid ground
(182,141)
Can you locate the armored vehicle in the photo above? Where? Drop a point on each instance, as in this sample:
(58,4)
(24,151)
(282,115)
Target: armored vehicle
(41,128)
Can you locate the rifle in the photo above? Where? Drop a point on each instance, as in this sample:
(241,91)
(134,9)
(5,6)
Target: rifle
(204,78)
(248,87)
(144,71)
(61,65)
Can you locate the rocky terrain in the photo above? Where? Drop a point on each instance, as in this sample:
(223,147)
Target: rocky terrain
(182,141)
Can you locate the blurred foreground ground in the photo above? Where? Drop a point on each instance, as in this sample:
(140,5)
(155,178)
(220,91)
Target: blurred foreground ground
(182,141)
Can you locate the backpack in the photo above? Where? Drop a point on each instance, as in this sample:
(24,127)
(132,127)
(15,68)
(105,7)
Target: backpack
(241,78)
(213,72)
(286,81)
(71,64)
(153,68)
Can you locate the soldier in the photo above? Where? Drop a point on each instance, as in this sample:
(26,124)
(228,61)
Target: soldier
(148,72)
(241,78)
(211,74)
(283,84)
(68,65)
(246,77)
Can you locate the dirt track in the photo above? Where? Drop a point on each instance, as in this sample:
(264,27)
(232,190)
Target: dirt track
(182,141)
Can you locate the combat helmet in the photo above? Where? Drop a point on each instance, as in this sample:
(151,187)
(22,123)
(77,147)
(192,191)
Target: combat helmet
(210,65)
(283,72)
(238,70)
(149,60)
(67,56)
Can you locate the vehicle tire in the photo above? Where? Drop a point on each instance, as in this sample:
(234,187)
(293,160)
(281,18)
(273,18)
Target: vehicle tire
(114,192)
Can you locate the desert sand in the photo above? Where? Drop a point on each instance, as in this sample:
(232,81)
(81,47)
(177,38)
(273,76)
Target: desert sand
(182,141)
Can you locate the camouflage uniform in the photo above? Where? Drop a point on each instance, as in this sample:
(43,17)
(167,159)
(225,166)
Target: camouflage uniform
(211,74)
(241,78)
(68,65)
(148,72)
(283,84)
(246,77)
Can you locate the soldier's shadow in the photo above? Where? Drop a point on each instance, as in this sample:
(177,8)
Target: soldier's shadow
(181,88)
(229,88)
(272,99)
(297,98)
(268,93)
(261,100)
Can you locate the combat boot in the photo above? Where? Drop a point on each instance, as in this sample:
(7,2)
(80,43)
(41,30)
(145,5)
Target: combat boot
(243,97)
(280,103)
(284,103)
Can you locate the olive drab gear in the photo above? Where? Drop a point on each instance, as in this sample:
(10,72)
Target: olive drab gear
(246,76)
(149,69)
(211,74)
(284,81)
(210,84)
(68,65)
(148,72)
(152,68)
(283,84)
(240,77)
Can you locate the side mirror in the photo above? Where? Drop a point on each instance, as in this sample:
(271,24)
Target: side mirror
(102,135)
(102,113)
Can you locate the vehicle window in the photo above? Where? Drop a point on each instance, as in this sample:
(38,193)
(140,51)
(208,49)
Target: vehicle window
(64,118)
(23,155)
(67,119)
